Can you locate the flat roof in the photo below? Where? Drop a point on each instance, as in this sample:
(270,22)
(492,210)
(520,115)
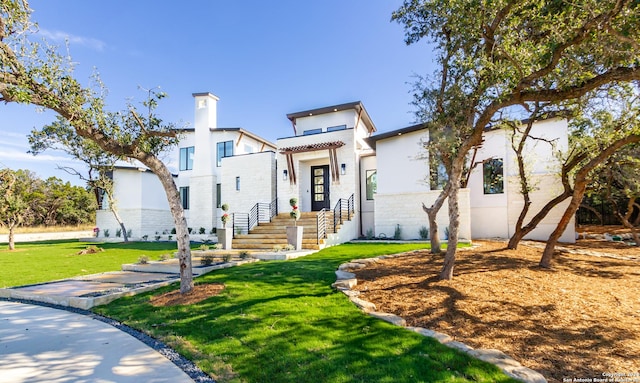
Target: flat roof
(356,105)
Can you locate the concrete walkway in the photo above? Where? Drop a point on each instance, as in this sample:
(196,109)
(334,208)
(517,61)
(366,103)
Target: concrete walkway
(42,344)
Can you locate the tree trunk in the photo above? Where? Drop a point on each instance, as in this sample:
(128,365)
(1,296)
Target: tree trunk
(12,243)
(454,219)
(182,233)
(432,213)
(578,192)
(116,215)
(625,220)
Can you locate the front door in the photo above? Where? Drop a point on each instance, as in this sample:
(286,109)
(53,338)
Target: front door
(320,187)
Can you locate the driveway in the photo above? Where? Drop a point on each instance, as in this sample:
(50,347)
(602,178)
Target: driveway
(42,344)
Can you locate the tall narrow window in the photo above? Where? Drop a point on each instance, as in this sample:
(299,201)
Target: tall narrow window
(218,195)
(438,175)
(186,158)
(493,179)
(184,197)
(224,149)
(372,183)
(237,183)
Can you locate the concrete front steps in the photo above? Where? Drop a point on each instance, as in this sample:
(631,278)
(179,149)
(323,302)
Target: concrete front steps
(267,235)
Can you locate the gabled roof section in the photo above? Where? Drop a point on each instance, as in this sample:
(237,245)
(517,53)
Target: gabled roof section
(356,105)
(398,132)
(244,132)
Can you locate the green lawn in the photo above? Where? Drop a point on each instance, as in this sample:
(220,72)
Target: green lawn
(282,322)
(37,262)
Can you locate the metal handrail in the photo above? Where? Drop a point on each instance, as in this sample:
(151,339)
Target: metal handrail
(344,207)
(259,213)
(321,225)
(239,220)
(273,209)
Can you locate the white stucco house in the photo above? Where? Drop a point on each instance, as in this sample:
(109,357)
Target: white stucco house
(341,172)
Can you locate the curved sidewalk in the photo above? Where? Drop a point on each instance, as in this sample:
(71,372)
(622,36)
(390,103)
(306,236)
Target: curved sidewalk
(42,344)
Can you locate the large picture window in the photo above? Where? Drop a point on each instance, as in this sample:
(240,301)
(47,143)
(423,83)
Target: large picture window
(184,197)
(372,183)
(225,149)
(186,158)
(492,175)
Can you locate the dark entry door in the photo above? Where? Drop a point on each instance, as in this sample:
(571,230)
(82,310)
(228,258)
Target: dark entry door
(320,187)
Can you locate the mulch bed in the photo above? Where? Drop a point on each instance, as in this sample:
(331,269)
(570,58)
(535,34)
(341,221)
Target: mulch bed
(578,320)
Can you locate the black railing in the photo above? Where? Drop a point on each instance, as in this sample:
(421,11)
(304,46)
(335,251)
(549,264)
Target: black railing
(344,210)
(321,225)
(259,213)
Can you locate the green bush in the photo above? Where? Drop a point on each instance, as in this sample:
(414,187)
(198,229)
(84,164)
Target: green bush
(424,232)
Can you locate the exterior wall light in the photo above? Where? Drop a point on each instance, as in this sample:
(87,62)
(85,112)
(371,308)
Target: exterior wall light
(285,175)
(343,169)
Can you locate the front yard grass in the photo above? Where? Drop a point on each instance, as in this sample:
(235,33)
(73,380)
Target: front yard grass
(282,322)
(37,262)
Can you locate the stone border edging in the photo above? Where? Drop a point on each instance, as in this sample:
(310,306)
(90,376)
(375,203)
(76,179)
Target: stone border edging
(345,280)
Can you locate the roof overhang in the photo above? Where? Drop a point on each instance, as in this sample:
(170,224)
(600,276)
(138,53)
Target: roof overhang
(357,106)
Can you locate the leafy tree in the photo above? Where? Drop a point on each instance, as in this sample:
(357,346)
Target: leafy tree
(493,56)
(16,189)
(36,74)
(61,136)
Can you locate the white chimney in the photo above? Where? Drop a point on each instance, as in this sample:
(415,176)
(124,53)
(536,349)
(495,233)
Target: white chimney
(205,118)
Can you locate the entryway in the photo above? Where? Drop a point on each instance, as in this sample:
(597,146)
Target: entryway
(320,188)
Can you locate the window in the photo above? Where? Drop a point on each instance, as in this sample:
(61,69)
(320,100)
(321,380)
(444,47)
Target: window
(218,195)
(438,175)
(334,128)
(493,179)
(186,158)
(184,197)
(225,149)
(237,183)
(372,183)
(311,131)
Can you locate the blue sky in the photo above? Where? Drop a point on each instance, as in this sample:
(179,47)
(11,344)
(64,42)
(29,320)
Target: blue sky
(263,59)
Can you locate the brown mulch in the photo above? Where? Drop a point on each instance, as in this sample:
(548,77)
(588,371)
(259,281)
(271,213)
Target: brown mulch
(199,293)
(579,320)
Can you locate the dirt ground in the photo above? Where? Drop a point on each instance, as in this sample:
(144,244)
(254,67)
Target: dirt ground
(580,319)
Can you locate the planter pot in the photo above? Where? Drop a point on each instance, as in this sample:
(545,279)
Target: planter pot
(294,236)
(225,236)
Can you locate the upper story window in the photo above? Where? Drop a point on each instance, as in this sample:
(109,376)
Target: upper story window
(335,128)
(492,176)
(312,131)
(186,158)
(225,149)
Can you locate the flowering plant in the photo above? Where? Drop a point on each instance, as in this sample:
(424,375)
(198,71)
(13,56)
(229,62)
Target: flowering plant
(295,212)
(225,216)
(96,231)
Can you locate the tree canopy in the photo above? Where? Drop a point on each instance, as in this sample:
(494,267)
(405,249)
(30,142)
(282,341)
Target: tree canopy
(495,57)
(35,73)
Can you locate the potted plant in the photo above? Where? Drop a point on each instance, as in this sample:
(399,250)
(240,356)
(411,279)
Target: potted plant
(225,236)
(295,232)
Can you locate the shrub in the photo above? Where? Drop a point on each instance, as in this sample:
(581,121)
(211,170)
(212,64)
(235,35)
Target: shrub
(106,233)
(164,257)
(206,260)
(213,231)
(204,247)
(145,237)
(238,230)
(397,234)
(201,230)
(118,233)
(143,260)
(189,229)
(369,234)
(289,247)
(129,233)
(170,237)
(227,257)
(173,231)
(424,232)
(244,254)
(276,248)
(217,246)
(157,237)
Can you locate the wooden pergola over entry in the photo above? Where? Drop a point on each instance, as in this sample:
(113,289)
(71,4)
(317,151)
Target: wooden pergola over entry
(333,157)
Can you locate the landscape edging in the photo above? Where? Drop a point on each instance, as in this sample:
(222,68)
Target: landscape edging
(345,280)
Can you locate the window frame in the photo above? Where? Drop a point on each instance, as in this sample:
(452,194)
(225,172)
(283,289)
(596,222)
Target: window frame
(186,158)
(227,146)
(490,169)
(371,188)
(184,197)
